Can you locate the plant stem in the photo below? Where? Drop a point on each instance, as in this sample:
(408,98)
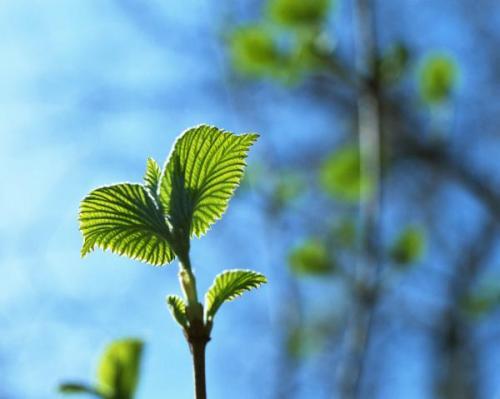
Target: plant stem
(197,333)
(197,347)
(188,285)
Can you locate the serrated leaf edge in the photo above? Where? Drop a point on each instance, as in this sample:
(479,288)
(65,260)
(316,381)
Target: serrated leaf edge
(209,311)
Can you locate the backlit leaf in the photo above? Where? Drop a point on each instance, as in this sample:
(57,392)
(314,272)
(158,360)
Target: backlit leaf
(178,309)
(119,369)
(229,285)
(200,176)
(125,219)
(152,176)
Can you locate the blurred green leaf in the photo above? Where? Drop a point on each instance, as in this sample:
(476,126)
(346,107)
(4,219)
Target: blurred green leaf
(394,63)
(437,79)
(119,369)
(311,258)
(308,54)
(254,52)
(341,177)
(299,13)
(261,50)
(71,388)
(409,247)
(483,299)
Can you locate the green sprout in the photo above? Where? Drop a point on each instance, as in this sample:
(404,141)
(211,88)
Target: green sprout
(154,222)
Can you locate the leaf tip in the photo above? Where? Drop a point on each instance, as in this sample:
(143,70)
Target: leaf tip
(251,138)
(86,249)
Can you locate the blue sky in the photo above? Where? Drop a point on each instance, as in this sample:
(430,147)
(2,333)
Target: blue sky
(87,96)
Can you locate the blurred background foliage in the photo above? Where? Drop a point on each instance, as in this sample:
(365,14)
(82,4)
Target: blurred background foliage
(294,43)
(118,373)
(383,281)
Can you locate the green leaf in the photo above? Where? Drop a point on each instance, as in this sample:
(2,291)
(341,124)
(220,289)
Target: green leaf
(409,247)
(125,219)
(311,258)
(254,52)
(341,177)
(200,176)
(229,285)
(119,369)
(152,176)
(438,77)
(178,309)
(299,13)
(75,387)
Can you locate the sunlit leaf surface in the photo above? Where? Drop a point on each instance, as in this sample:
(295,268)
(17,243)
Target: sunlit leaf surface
(125,219)
(201,174)
(152,176)
(229,285)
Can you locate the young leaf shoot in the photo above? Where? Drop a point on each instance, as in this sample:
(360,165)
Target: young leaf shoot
(153,222)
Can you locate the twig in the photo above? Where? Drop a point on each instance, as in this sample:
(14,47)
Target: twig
(369,265)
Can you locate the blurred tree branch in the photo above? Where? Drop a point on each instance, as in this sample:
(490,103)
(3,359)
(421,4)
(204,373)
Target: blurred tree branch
(369,264)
